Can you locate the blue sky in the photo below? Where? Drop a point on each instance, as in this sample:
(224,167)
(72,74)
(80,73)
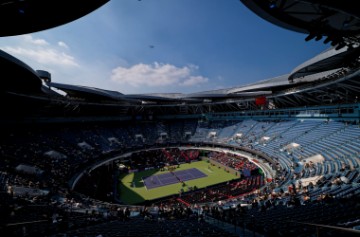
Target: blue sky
(152,46)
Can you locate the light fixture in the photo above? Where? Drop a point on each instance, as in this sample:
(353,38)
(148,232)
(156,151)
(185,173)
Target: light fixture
(310,37)
(272,4)
(340,46)
(318,37)
(327,40)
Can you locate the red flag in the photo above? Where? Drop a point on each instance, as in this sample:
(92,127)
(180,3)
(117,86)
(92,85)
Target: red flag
(260,100)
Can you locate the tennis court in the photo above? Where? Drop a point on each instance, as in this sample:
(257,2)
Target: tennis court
(160,180)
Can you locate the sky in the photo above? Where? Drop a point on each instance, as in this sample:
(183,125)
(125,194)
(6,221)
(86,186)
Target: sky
(164,46)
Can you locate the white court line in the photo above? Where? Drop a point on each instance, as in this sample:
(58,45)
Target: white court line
(208,170)
(157,177)
(189,173)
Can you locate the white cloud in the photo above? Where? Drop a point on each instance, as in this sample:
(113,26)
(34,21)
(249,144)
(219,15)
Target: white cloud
(63,45)
(40,52)
(156,75)
(30,39)
(192,81)
(44,56)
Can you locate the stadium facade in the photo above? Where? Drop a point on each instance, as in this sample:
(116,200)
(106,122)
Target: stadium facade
(301,129)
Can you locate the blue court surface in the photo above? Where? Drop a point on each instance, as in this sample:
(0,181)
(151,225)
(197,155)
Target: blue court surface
(159,180)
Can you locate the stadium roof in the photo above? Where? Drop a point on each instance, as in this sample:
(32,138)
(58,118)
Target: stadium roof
(324,70)
(28,16)
(17,76)
(87,92)
(326,17)
(329,60)
(330,77)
